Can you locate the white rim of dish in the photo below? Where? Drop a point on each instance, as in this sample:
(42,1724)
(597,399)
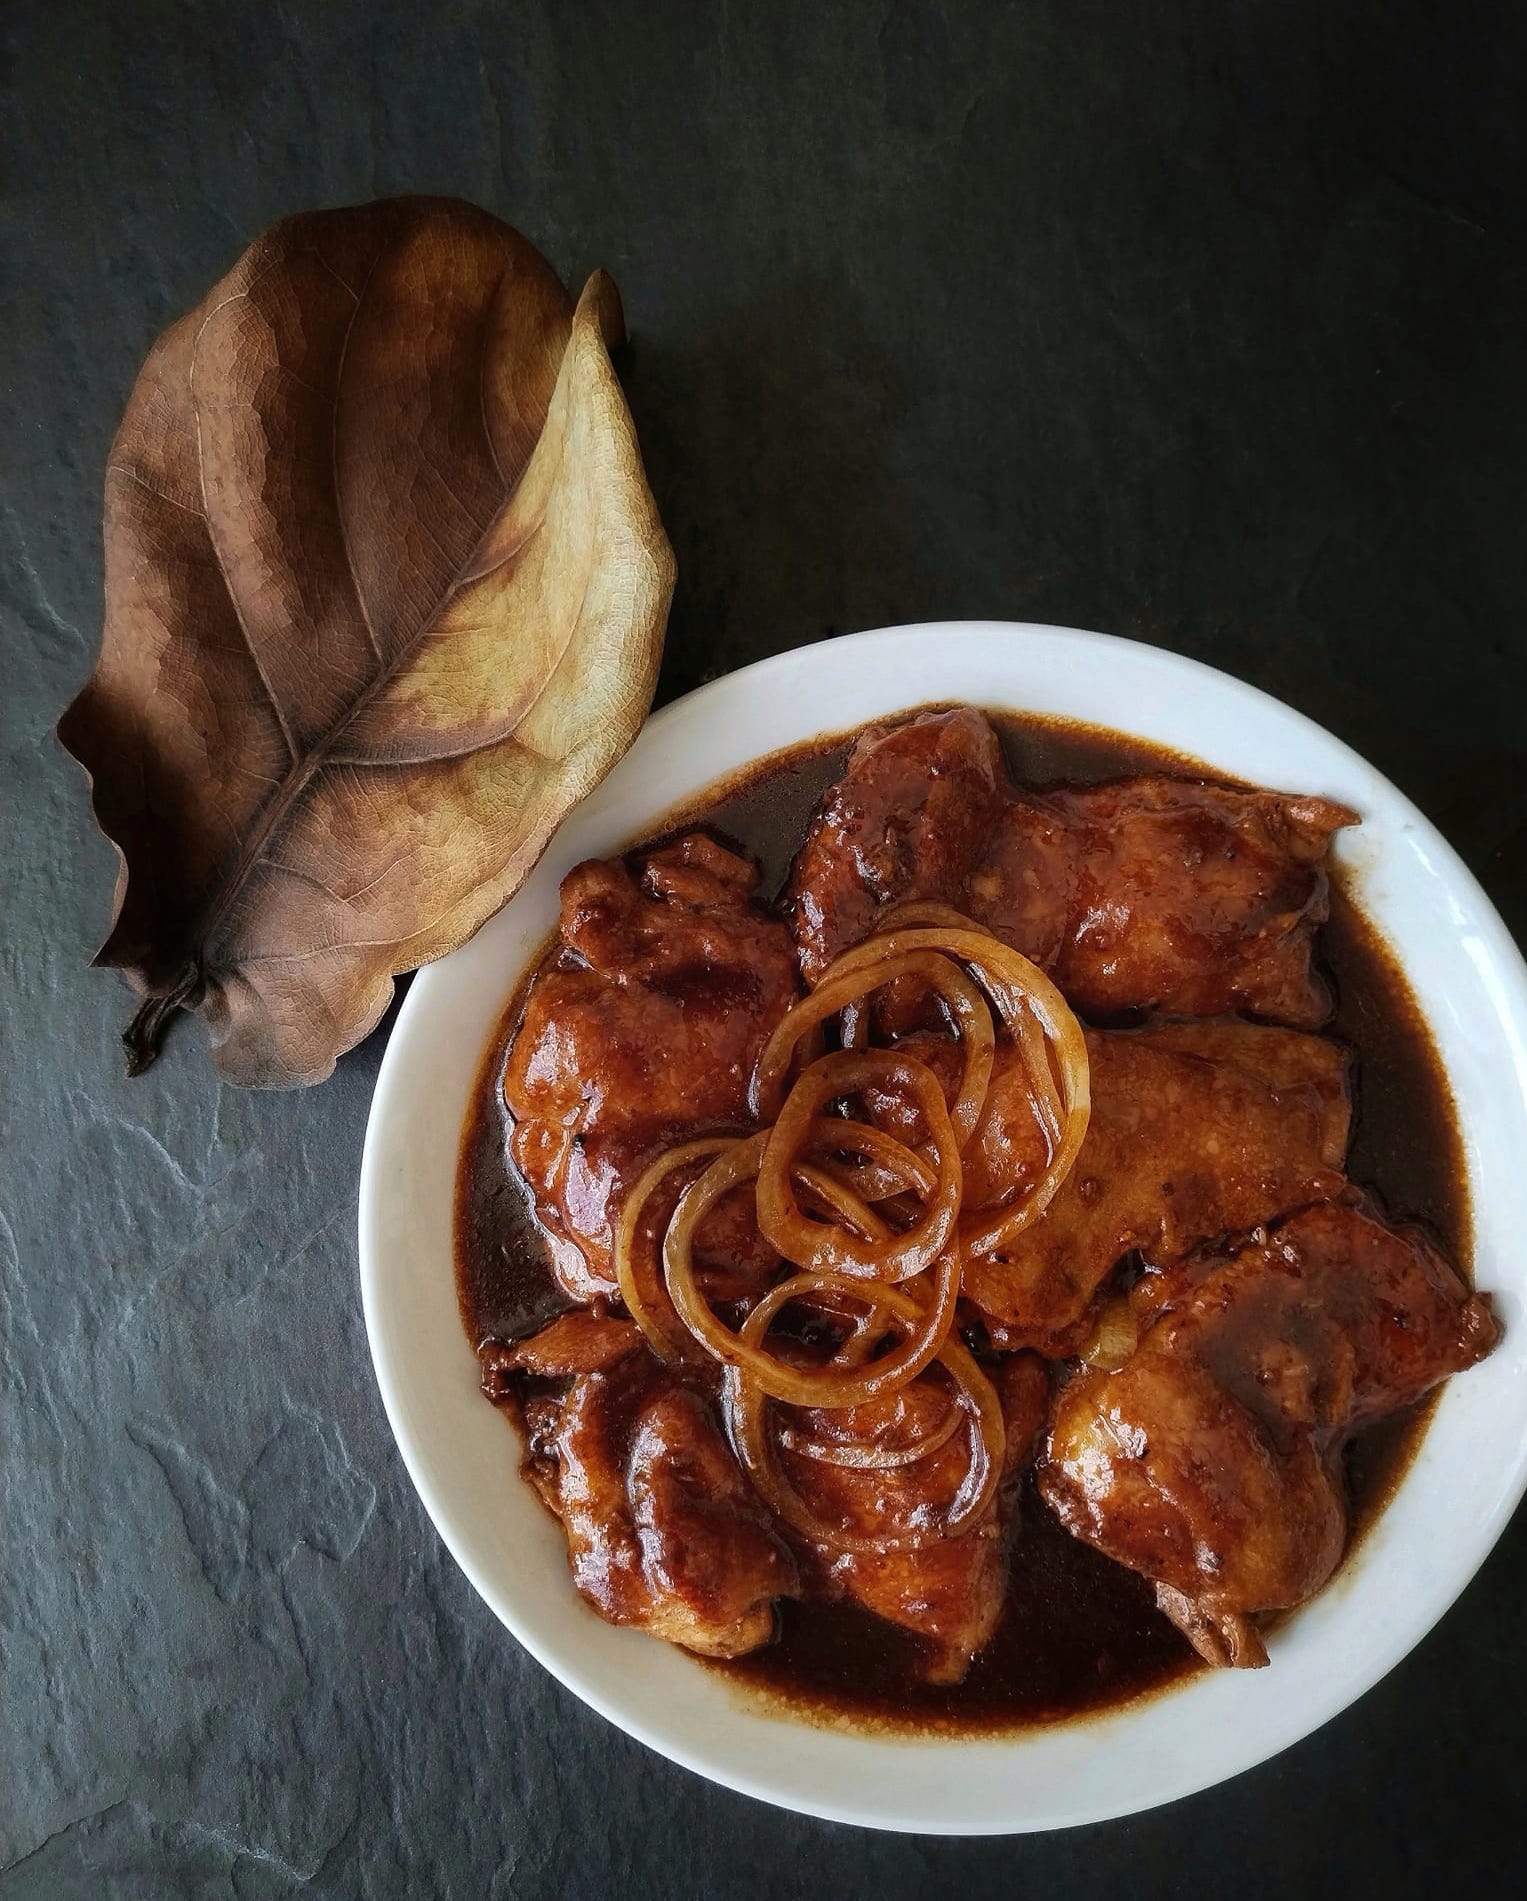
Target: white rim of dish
(873,1780)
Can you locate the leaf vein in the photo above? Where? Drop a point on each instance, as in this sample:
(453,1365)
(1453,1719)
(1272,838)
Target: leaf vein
(339,384)
(201,478)
(132,475)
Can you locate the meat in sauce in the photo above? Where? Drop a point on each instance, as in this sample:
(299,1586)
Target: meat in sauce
(1198,1130)
(1147,895)
(643,1032)
(951,1591)
(1209,1460)
(662,1529)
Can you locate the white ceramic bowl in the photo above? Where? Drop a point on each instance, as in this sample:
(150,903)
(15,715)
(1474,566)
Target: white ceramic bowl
(1470,980)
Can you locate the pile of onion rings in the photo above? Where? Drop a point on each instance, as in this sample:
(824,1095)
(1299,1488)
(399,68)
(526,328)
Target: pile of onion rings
(872,1228)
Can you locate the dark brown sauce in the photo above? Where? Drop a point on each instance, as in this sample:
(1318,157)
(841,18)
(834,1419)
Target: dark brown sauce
(504,1283)
(1405,1140)
(1081,1634)
(1406,1148)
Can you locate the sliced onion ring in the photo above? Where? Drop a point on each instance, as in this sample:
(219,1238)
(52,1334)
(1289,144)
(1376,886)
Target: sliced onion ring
(889,1166)
(801,1385)
(641,1284)
(837,1197)
(843,986)
(1042,1027)
(863,1455)
(811,1244)
(872,1225)
(641,1287)
(745,1405)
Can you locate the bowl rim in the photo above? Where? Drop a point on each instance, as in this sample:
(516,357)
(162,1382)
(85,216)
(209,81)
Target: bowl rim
(1502,962)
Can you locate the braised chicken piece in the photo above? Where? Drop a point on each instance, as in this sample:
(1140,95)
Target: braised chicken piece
(912,817)
(951,1591)
(587,1340)
(641,1033)
(1211,1460)
(1143,893)
(1162,894)
(663,1530)
(1199,1130)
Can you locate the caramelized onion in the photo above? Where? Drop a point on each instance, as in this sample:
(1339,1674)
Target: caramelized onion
(746,1407)
(865,1454)
(845,985)
(1044,1030)
(641,1286)
(836,1197)
(925,1327)
(872,1226)
(897,1257)
(867,1330)
(888,1167)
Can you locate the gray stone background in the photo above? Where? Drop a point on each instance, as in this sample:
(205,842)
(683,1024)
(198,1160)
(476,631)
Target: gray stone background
(1201,322)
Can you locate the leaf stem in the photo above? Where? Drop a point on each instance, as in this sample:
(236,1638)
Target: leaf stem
(144,1036)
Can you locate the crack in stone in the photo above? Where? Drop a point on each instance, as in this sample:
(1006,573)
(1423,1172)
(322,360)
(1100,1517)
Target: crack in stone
(201,1500)
(18,1864)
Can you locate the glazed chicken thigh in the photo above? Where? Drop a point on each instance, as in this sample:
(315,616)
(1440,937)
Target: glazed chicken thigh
(1143,893)
(1210,1460)
(1198,1131)
(950,1591)
(643,1032)
(663,1530)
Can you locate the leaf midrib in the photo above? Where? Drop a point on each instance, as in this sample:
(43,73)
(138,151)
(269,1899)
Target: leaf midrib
(306,767)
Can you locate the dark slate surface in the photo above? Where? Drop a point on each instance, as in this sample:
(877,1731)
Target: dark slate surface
(1202,323)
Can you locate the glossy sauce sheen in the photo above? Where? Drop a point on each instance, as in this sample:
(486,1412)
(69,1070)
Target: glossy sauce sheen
(1081,1633)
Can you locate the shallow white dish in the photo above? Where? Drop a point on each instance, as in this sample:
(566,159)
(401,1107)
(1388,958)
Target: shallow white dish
(1472,1468)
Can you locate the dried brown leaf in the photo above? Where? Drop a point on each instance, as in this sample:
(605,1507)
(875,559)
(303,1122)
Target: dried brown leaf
(385,596)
